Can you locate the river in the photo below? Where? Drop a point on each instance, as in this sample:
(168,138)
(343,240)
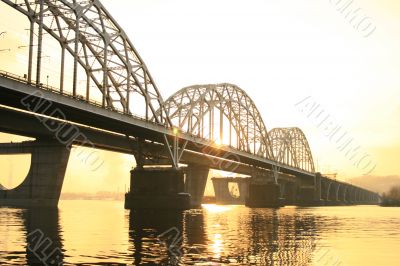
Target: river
(103,233)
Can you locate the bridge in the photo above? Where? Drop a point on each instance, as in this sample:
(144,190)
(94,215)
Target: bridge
(105,98)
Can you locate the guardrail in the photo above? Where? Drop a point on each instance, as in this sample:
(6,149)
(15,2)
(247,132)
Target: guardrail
(70,95)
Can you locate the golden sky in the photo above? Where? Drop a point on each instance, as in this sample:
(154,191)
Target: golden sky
(279,52)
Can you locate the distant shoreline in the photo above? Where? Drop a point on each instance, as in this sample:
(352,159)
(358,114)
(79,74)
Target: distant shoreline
(107,199)
(101,195)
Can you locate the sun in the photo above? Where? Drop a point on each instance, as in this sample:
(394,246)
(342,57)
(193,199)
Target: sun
(218,142)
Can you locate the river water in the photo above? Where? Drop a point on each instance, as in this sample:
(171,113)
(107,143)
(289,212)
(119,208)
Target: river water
(103,233)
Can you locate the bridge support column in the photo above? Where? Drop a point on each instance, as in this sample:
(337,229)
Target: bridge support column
(289,192)
(243,190)
(157,187)
(318,190)
(266,195)
(222,191)
(306,196)
(350,193)
(195,183)
(43,184)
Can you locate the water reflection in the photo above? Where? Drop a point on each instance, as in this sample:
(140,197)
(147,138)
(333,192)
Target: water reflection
(148,230)
(43,240)
(31,236)
(222,234)
(261,236)
(280,238)
(102,233)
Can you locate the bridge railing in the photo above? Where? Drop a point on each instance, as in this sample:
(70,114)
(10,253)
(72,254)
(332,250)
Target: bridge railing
(56,90)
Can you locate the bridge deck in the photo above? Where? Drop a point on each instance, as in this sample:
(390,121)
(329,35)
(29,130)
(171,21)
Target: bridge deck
(84,113)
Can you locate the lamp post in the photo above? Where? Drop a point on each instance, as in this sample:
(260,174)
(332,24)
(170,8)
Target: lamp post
(175,153)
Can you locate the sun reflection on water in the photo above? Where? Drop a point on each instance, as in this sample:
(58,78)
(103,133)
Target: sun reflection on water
(213,208)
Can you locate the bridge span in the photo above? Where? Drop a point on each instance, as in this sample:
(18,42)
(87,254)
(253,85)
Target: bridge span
(328,192)
(112,103)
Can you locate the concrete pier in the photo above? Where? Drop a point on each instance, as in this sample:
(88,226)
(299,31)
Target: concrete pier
(289,192)
(222,193)
(195,183)
(264,196)
(157,187)
(42,186)
(306,197)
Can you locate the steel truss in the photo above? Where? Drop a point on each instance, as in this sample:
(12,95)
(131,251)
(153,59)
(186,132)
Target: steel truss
(99,48)
(290,147)
(199,109)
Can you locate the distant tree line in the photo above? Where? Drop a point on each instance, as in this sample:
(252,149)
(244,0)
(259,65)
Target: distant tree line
(392,198)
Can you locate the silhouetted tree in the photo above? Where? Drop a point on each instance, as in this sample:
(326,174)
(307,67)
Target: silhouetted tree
(392,198)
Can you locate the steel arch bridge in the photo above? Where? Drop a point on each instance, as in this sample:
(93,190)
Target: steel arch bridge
(102,56)
(222,113)
(108,71)
(109,95)
(290,147)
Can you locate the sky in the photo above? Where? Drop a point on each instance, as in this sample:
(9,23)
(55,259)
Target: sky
(282,53)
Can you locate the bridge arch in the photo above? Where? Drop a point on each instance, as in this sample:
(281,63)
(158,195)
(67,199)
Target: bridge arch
(222,113)
(290,147)
(96,50)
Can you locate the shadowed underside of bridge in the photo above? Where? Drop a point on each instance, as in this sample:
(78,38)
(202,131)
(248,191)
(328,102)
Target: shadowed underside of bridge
(111,102)
(326,192)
